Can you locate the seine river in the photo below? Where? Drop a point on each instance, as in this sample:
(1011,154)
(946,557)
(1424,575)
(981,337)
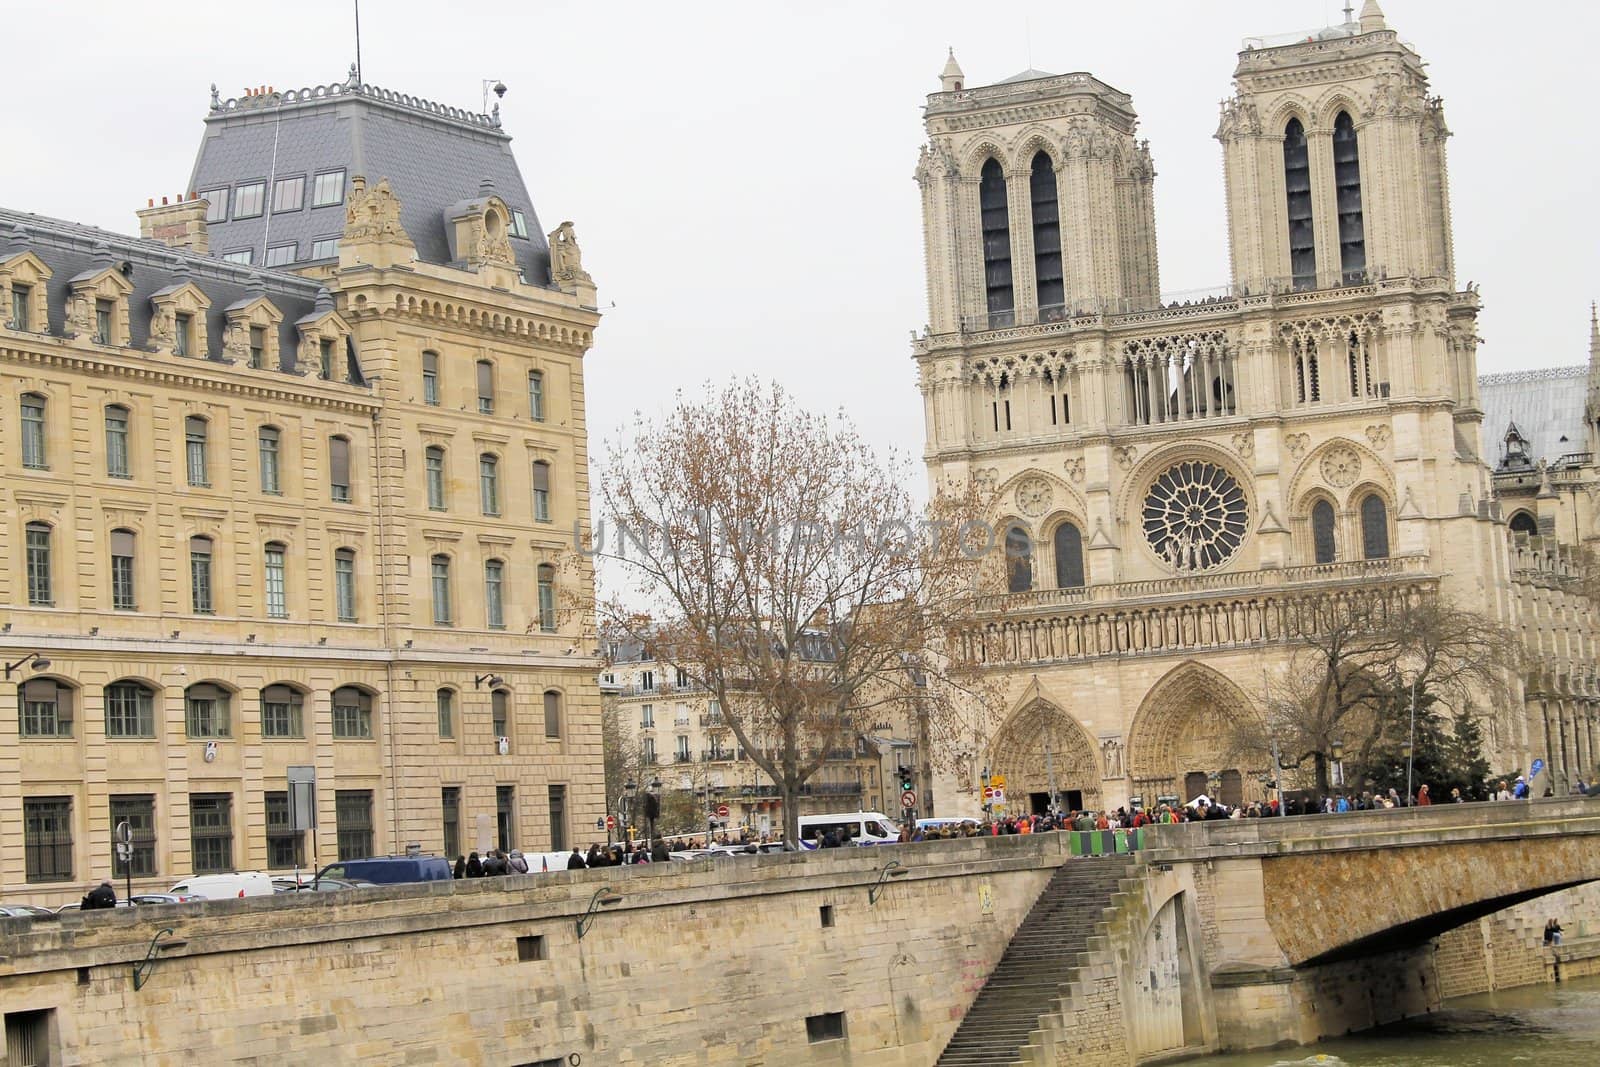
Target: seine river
(1535,1025)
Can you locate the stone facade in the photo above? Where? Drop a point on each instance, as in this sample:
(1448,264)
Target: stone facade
(1185,484)
(257,520)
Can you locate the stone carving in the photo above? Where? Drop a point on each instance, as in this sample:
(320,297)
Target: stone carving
(1297,444)
(1034,496)
(372,215)
(1074,469)
(1111,756)
(1125,456)
(493,247)
(566,260)
(1379,436)
(1341,467)
(1245,444)
(985,478)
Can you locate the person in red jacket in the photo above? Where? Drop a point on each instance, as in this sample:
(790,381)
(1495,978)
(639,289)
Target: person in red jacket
(1423,799)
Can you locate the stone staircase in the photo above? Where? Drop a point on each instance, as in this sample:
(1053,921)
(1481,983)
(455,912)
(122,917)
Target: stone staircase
(1041,960)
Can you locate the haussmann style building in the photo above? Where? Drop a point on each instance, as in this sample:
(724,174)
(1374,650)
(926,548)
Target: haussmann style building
(291,487)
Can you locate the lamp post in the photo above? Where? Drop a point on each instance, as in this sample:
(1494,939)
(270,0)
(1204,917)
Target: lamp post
(1411,740)
(653,807)
(1338,762)
(628,789)
(39,663)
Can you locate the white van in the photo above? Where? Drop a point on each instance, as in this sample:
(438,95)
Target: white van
(863,828)
(223,886)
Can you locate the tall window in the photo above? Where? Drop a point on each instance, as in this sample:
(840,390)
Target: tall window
(339,469)
(433,460)
(1069,556)
(47,839)
(206,708)
(505,814)
(1374,527)
(541,491)
(258,347)
(440,568)
(647,749)
(40,591)
(536,395)
(1323,542)
(200,599)
(325,359)
(552,713)
(285,844)
(430,378)
(268,439)
(182,334)
(344,584)
(489,483)
(21,306)
(1046,238)
(33,450)
(117,442)
(647,716)
(450,805)
(194,444)
(500,712)
(493,600)
(352,713)
(122,591)
(104,318)
(44,708)
(1297,186)
(211,832)
(282,711)
(139,812)
(130,711)
(996,212)
(1019,560)
(485,387)
(1347,194)
(547,598)
(353,810)
(277,586)
(446,701)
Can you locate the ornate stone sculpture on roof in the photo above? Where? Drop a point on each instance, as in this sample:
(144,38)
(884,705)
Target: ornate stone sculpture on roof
(566,258)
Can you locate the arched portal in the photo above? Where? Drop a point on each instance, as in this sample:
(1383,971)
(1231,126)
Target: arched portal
(1184,740)
(1040,742)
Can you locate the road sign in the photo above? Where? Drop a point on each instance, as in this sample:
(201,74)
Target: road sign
(999,795)
(722,811)
(988,793)
(908,800)
(599,824)
(124,833)
(611,822)
(998,781)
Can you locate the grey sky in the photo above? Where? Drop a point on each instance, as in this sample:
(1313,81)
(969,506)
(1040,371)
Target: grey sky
(740,173)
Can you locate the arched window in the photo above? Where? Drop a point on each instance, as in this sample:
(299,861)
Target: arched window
(547,598)
(494,604)
(439,568)
(1051,287)
(445,699)
(207,708)
(1521,523)
(277,586)
(1347,193)
(123,596)
(344,584)
(339,469)
(1069,556)
(194,450)
(352,713)
(500,712)
(1019,560)
(44,708)
(130,709)
(434,462)
(117,464)
(201,600)
(1322,538)
(541,491)
(282,711)
(552,714)
(489,483)
(1374,527)
(41,591)
(1297,186)
(996,214)
(34,456)
(267,440)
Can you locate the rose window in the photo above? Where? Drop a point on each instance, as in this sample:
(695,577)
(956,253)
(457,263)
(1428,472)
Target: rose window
(1194,516)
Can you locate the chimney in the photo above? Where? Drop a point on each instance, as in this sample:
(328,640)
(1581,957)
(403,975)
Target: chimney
(179,225)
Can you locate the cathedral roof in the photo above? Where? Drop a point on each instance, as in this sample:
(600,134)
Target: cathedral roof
(433,155)
(1546,406)
(1025,76)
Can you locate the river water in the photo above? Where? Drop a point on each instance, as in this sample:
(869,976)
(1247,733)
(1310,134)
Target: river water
(1536,1025)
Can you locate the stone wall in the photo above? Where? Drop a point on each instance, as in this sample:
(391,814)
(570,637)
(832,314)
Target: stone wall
(696,964)
(1507,948)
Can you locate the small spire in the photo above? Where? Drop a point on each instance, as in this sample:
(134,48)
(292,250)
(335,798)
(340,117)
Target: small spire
(951,79)
(1594,342)
(324,302)
(1371,17)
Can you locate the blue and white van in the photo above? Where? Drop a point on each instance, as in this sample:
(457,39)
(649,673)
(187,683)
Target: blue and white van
(861,828)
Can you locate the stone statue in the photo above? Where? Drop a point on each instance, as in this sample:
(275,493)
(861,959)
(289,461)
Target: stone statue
(1111,755)
(372,215)
(566,258)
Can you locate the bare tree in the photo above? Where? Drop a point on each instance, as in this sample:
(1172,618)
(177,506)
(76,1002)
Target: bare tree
(623,756)
(770,553)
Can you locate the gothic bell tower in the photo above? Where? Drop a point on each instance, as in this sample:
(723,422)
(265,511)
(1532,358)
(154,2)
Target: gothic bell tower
(1334,154)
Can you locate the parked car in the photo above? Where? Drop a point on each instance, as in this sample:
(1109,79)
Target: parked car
(335,885)
(25,911)
(224,886)
(78,906)
(390,870)
(166,898)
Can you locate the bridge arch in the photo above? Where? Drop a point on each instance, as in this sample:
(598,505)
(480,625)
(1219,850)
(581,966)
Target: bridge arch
(1040,740)
(1182,737)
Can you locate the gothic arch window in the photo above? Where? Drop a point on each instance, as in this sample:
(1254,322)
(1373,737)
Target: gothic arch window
(996,220)
(1019,560)
(1050,285)
(1523,523)
(1323,543)
(1307,372)
(1347,195)
(1069,556)
(1297,187)
(1374,527)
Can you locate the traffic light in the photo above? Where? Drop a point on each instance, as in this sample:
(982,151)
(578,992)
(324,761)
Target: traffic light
(905,780)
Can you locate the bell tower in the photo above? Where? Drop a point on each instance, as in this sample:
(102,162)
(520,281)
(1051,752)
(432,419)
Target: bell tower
(1334,156)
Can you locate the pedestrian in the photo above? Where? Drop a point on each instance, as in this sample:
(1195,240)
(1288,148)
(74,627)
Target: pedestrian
(1501,792)
(1455,796)
(575,862)
(461,866)
(518,863)
(1423,799)
(594,859)
(1552,933)
(104,896)
(659,853)
(474,866)
(1519,791)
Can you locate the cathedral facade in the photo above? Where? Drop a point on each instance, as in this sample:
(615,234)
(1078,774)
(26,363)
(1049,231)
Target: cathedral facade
(1184,485)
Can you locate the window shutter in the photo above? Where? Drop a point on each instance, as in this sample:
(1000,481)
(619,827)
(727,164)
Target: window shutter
(63,706)
(277,694)
(205,691)
(40,690)
(339,460)
(552,713)
(430,363)
(485,379)
(200,545)
(121,543)
(541,477)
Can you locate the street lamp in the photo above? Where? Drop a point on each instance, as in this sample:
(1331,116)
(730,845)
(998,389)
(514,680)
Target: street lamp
(1338,762)
(628,789)
(39,663)
(494,681)
(602,897)
(652,807)
(1411,740)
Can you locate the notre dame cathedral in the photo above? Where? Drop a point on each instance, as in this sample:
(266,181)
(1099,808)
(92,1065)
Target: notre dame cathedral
(1185,481)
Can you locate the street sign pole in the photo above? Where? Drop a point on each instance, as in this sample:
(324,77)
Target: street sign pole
(125,854)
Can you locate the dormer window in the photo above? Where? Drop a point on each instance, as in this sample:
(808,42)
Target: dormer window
(288,193)
(325,248)
(258,346)
(281,255)
(183,334)
(328,190)
(519,223)
(243,256)
(249,200)
(251,336)
(216,205)
(325,359)
(178,321)
(21,308)
(104,320)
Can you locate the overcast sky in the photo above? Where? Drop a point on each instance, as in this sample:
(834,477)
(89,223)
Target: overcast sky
(740,173)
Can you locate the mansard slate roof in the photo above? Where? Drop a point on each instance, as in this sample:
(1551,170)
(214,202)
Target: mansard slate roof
(1546,405)
(74,251)
(434,156)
